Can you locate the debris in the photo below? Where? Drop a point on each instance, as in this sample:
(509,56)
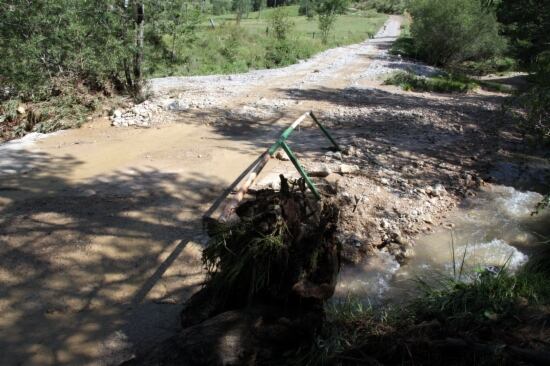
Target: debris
(320,171)
(281,155)
(348,169)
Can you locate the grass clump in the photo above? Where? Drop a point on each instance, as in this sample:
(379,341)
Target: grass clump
(488,298)
(68,107)
(241,256)
(493,318)
(445,83)
(438,84)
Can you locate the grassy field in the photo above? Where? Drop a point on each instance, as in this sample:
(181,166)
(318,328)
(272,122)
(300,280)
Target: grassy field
(348,28)
(232,48)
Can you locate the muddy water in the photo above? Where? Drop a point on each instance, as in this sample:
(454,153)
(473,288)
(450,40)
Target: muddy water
(490,231)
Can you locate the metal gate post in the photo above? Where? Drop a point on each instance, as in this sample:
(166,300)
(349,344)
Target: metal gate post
(301,170)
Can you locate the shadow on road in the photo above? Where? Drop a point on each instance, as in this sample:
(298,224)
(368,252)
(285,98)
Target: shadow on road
(94,270)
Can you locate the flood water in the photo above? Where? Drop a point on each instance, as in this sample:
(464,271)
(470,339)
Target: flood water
(493,230)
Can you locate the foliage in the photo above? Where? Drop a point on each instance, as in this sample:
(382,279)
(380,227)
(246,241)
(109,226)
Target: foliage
(480,310)
(326,23)
(178,21)
(331,6)
(69,108)
(327,11)
(438,84)
(307,8)
(493,65)
(526,23)
(444,83)
(239,253)
(44,40)
(447,33)
(388,6)
(92,44)
(221,6)
(537,105)
(281,24)
(230,49)
(488,297)
(241,7)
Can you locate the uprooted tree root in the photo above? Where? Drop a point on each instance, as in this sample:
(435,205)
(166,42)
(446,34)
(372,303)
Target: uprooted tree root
(269,276)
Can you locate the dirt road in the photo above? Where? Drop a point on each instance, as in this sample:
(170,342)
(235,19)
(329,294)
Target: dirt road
(99,227)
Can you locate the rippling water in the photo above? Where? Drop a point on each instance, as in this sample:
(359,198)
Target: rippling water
(493,230)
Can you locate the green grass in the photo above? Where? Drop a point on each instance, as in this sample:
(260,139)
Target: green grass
(231,48)
(446,83)
(439,84)
(491,305)
(479,311)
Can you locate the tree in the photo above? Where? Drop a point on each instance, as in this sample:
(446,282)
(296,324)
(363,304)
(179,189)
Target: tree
(93,41)
(327,11)
(527,24)
(281,24)
(307,8)
(259,5)
(450,32)
(240,7)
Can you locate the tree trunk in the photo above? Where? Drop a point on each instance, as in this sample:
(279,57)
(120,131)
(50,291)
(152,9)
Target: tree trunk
(138,57)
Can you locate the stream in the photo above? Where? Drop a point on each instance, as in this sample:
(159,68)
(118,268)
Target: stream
(493,230)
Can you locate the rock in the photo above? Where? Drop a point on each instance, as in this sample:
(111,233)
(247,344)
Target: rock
(320,171)
(348,169)
(21,109)
(349,150)
(394,249)
(87,193)
(177,105)
(398,238)
(439,190)
(117,113)
(281,155)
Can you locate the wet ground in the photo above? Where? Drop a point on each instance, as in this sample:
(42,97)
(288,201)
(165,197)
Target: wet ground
(493,231)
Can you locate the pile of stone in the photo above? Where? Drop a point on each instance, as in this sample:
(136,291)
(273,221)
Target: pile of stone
(140,115)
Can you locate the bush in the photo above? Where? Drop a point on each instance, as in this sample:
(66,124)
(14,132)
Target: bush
(307,8)
(281,53)
(221,6)
(281,24)
(450,32)
(438,84)
(390,6)
(489,66)
(328,10)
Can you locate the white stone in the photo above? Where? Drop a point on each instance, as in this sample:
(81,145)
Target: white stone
(347,169)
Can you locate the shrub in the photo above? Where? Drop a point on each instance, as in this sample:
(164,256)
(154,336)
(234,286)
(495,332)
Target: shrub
(307,8)
(390,6)
(327,10)
(280,53)
(281,24)
(450,32)
(439,84)
(221,6)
